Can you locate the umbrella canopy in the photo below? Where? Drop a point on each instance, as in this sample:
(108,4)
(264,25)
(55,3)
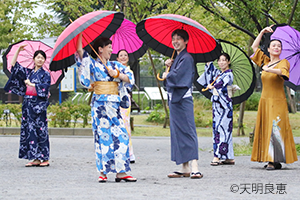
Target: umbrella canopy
(290,39)
(156,32)
(92,26)
(25,58)
(126,38)
(242,69)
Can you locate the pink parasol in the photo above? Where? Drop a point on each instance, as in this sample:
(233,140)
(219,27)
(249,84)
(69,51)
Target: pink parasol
(25,58)
(126,38)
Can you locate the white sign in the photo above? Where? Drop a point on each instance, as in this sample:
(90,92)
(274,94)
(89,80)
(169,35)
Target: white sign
(68,82)
(154,93)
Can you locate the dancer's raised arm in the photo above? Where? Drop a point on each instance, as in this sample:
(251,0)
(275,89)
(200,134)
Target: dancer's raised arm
(257,40)
(14,59)
(79,46)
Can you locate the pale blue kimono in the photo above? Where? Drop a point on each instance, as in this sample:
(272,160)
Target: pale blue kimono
(111,137)
(222,110)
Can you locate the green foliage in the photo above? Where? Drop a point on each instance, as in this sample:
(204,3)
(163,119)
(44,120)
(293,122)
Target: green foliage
(158,115)
(202,118)
(251,103)
(242,149)
(298,149)
(62,115)
(15,110)
(16,21)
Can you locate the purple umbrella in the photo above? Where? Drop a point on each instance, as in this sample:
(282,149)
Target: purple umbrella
(126,38)
(290,39)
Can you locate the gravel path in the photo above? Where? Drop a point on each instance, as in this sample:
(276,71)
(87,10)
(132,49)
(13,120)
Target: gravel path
(72,174)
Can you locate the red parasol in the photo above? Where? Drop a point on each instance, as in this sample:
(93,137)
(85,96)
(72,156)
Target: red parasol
(156,33)
(92,25)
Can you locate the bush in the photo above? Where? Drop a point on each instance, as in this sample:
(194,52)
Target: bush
(251,103)
(158,115)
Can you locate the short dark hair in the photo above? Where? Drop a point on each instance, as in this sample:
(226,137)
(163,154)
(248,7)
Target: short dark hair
(274,40)
(39,52)
(122,50)
(182,33)
(226,55)
(100,42)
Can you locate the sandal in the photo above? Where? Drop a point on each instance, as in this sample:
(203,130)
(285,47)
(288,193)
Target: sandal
(126,179)
(215,163)
(32,164)
(102,179)
(44,164)
(178,175)
(227,162)
(196,175)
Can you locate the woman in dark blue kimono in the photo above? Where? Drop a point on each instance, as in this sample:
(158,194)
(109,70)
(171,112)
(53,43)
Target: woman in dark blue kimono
(33,85)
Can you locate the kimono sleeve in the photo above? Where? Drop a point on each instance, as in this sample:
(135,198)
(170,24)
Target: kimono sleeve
(182,75)
(124,87)
(84,68)
(15,83)
(260,58)
(209,75)
(43,86)
(223,81)
(284,66)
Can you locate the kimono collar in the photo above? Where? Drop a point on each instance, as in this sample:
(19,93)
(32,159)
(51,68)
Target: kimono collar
(182,52)
(228,70)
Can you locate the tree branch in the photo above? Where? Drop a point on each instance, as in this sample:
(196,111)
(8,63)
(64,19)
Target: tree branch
(229,22)
(293,12)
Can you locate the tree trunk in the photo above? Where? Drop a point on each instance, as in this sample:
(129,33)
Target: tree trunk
(291,101)
(158,85)
(240,120)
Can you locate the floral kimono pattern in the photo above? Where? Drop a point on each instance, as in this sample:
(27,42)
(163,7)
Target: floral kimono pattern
(222,110)
(34,139)
(111,138)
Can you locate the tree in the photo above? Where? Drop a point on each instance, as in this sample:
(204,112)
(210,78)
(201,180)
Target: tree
(251,17)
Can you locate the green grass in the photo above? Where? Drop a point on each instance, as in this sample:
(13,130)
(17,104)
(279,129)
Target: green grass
(242,149)
(249,122)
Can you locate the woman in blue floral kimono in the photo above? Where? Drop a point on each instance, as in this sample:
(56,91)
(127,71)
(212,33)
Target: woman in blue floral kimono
(33,85)
(109,86)
(222,108)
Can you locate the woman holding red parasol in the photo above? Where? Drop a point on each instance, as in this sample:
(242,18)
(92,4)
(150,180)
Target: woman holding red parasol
(106,79)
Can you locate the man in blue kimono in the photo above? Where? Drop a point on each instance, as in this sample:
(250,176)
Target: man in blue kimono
(178,81)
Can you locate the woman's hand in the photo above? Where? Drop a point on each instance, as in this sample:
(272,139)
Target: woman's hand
(267,29)
(14,59)
(21,48)
(112,73)
(27,82)
(210,86)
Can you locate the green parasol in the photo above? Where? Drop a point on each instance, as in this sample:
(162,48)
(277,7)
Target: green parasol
(242,69)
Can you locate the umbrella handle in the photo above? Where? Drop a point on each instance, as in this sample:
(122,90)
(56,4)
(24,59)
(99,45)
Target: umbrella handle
(162,79)
(205,89)
(168,69)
